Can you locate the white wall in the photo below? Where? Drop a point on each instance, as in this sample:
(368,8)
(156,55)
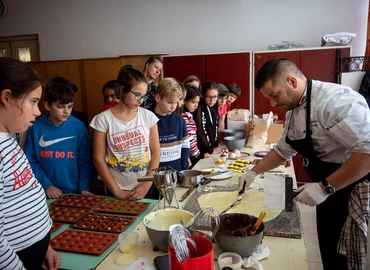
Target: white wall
(70,29)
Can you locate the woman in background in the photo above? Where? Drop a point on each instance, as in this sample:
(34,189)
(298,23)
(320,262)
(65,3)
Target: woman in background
(152,69)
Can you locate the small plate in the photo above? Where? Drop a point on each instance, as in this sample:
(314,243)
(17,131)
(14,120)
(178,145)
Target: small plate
(261,153)
(223,176)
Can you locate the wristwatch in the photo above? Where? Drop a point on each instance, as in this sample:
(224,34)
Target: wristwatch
(327,188)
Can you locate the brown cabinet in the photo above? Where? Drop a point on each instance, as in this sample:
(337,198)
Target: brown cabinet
(69,69)
(96,72)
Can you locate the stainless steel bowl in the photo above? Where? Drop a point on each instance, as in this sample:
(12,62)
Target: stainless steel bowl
(234,142)
(190,177)
(233,132)
(243,245)
(157,225)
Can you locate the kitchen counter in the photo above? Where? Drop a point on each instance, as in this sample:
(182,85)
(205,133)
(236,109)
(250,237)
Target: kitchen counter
(286,253)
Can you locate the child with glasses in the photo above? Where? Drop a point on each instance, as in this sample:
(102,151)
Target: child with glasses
(126,142)
(206,118)
(173,133)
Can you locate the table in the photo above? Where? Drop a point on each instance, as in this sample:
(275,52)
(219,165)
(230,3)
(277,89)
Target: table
(80,261)
(286,253)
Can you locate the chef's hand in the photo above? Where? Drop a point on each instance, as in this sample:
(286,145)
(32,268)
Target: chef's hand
(311,194)
(248,178)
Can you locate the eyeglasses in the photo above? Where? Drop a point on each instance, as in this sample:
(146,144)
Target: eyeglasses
(139,96)
(211,97)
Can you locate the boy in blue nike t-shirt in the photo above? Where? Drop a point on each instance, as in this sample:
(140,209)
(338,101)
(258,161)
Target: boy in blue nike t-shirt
(58,146)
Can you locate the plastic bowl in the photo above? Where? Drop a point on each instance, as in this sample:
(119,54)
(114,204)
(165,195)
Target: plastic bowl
(230,259)
(234,142)
(157,225)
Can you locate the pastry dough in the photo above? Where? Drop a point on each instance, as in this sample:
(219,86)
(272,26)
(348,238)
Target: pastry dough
(251,204)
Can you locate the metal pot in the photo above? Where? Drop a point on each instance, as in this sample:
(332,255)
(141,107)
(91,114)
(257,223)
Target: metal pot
(190,177)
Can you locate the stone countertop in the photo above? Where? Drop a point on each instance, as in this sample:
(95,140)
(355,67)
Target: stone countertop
(286,224)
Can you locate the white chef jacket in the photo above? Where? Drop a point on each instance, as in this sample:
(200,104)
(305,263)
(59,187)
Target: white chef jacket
(340,123)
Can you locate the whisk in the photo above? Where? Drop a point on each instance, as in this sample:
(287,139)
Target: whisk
(179,239)
(206,222)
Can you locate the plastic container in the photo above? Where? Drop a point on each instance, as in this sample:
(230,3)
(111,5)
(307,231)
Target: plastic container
(128,242)
(203,259)
(230,259)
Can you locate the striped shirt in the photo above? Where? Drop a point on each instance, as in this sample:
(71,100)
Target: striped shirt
(192,133)
(24,215)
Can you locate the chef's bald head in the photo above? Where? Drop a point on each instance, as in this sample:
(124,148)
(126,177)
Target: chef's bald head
(276,70)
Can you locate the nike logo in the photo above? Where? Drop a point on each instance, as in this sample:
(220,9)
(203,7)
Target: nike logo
(43,143)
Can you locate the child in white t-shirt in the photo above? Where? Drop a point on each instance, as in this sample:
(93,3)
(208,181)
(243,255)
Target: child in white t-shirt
(126,142)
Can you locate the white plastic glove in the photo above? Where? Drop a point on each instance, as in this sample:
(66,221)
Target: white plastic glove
(248,178)
(311,194)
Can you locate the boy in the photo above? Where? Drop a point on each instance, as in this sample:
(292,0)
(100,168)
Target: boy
(173,133)
(58,146)
(222,99)
(234,93)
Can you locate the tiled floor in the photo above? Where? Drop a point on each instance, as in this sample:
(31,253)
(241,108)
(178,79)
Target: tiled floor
(308,215)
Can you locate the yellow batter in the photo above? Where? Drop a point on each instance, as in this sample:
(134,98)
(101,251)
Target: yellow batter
(251,204)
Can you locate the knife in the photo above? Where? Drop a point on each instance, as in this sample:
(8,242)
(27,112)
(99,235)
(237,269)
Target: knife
(190,190)
(239,199)
(214,174)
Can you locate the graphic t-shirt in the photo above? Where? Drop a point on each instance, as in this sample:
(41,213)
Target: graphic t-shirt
(128,153)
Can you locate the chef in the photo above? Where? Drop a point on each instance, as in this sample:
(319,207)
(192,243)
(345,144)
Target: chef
(329,125)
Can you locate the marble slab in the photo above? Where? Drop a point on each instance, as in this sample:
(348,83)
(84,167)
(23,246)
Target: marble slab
(286,224)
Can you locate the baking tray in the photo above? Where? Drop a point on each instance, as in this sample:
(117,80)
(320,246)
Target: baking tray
(67,214)
(55,226)
(78,201)
(103,223)
(122,207)
(83,242)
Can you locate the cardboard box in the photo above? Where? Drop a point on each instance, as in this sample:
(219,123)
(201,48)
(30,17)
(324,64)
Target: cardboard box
(274,132)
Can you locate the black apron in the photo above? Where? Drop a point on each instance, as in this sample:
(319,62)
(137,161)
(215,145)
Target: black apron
(333,212)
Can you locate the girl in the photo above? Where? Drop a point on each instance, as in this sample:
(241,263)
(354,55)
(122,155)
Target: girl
(193,81)
(126,141)
(191,103)
(206,119)
(222,98)
(111,94)
(24,215)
